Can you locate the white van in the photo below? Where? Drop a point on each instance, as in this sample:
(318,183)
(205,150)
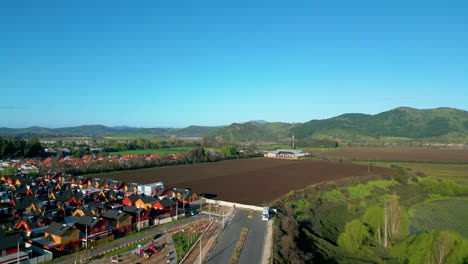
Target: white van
(266,213)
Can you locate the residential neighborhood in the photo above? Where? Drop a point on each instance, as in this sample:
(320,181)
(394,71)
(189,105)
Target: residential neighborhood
(57,214)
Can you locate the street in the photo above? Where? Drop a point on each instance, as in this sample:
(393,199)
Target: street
(253,245)
(125,240)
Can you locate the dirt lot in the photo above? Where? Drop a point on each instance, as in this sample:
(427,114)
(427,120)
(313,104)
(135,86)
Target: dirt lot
(398,154)
(250,181)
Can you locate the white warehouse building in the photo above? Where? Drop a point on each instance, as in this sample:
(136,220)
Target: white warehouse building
(287,154)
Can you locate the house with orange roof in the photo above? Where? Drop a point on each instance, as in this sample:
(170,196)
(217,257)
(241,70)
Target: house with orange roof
(46,162)
(130,156)
(86,159)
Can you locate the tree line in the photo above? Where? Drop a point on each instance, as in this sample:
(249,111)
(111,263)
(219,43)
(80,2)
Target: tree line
(195,155)
(16,148)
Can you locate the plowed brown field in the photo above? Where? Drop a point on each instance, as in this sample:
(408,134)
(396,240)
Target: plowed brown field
(398,154)
(250,181)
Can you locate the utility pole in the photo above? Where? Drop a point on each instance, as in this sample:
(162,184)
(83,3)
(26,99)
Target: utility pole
(86,230)
(17,253)
(200,247)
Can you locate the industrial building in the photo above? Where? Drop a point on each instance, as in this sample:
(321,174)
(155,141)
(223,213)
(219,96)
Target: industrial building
(287,154)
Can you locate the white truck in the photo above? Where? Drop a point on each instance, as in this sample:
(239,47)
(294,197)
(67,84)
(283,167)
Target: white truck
(266,213)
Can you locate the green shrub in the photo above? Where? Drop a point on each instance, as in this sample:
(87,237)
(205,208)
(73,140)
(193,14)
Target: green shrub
(442,187)
(359,191)
(334,196)
(354,237)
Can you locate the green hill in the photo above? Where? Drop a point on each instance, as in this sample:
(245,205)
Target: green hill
(252,131)
(195,131)
(403,123)
(447,124)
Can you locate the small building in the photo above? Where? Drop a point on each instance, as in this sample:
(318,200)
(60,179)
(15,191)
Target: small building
(92,228)
(148,189)
(119,222)
(140,216)
(60,237)
(9,246)
(287,154)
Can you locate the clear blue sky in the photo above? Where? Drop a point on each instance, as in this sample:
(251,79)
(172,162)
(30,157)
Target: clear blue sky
(176,63)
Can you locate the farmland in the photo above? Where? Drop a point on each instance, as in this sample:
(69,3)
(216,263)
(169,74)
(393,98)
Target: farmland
(174,150)
(309,149)
(456,172)
(251,181)
(403,154)
(447,214)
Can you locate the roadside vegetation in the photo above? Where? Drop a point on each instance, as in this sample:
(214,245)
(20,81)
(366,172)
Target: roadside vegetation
(183,242)
(239,246)
(401,218)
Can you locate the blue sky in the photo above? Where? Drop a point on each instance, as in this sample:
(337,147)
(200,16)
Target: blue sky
(177,63)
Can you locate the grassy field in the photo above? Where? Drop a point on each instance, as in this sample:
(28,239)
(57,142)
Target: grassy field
(131,137)
(446,214)
(456,172)
(274,147)
(174,150)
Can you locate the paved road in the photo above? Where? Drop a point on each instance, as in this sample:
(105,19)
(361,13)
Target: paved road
(125,240)
(253,245)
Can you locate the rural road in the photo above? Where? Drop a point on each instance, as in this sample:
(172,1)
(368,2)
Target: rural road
(151,231)
(253,245)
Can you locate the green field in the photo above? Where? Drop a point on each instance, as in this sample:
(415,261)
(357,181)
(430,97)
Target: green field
(153,151)
(274,147)
(456,172)
(131,137)
(163,151)
(446,214)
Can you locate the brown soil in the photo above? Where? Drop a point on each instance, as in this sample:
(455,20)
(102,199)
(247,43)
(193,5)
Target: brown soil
(398,154)
(250,181)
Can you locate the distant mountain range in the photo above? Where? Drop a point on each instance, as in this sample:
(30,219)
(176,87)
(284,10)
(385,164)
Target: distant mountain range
(403,123)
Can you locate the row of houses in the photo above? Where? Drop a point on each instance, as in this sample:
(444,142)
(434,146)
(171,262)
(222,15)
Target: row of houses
(61,213)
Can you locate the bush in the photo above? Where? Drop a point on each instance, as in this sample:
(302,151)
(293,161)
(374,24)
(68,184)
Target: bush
(401,175)
(334,196)
(442,187)
(354,237)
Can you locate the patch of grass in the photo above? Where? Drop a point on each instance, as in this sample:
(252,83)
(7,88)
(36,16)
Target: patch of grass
(175,150)
(359,191)
(274,147)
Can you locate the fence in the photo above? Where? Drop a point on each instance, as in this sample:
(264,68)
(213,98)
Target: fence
(230,204)
(46,256)
(158,221)
(94,243)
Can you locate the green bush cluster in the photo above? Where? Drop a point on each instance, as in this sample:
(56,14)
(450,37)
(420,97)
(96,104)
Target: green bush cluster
(442,187)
